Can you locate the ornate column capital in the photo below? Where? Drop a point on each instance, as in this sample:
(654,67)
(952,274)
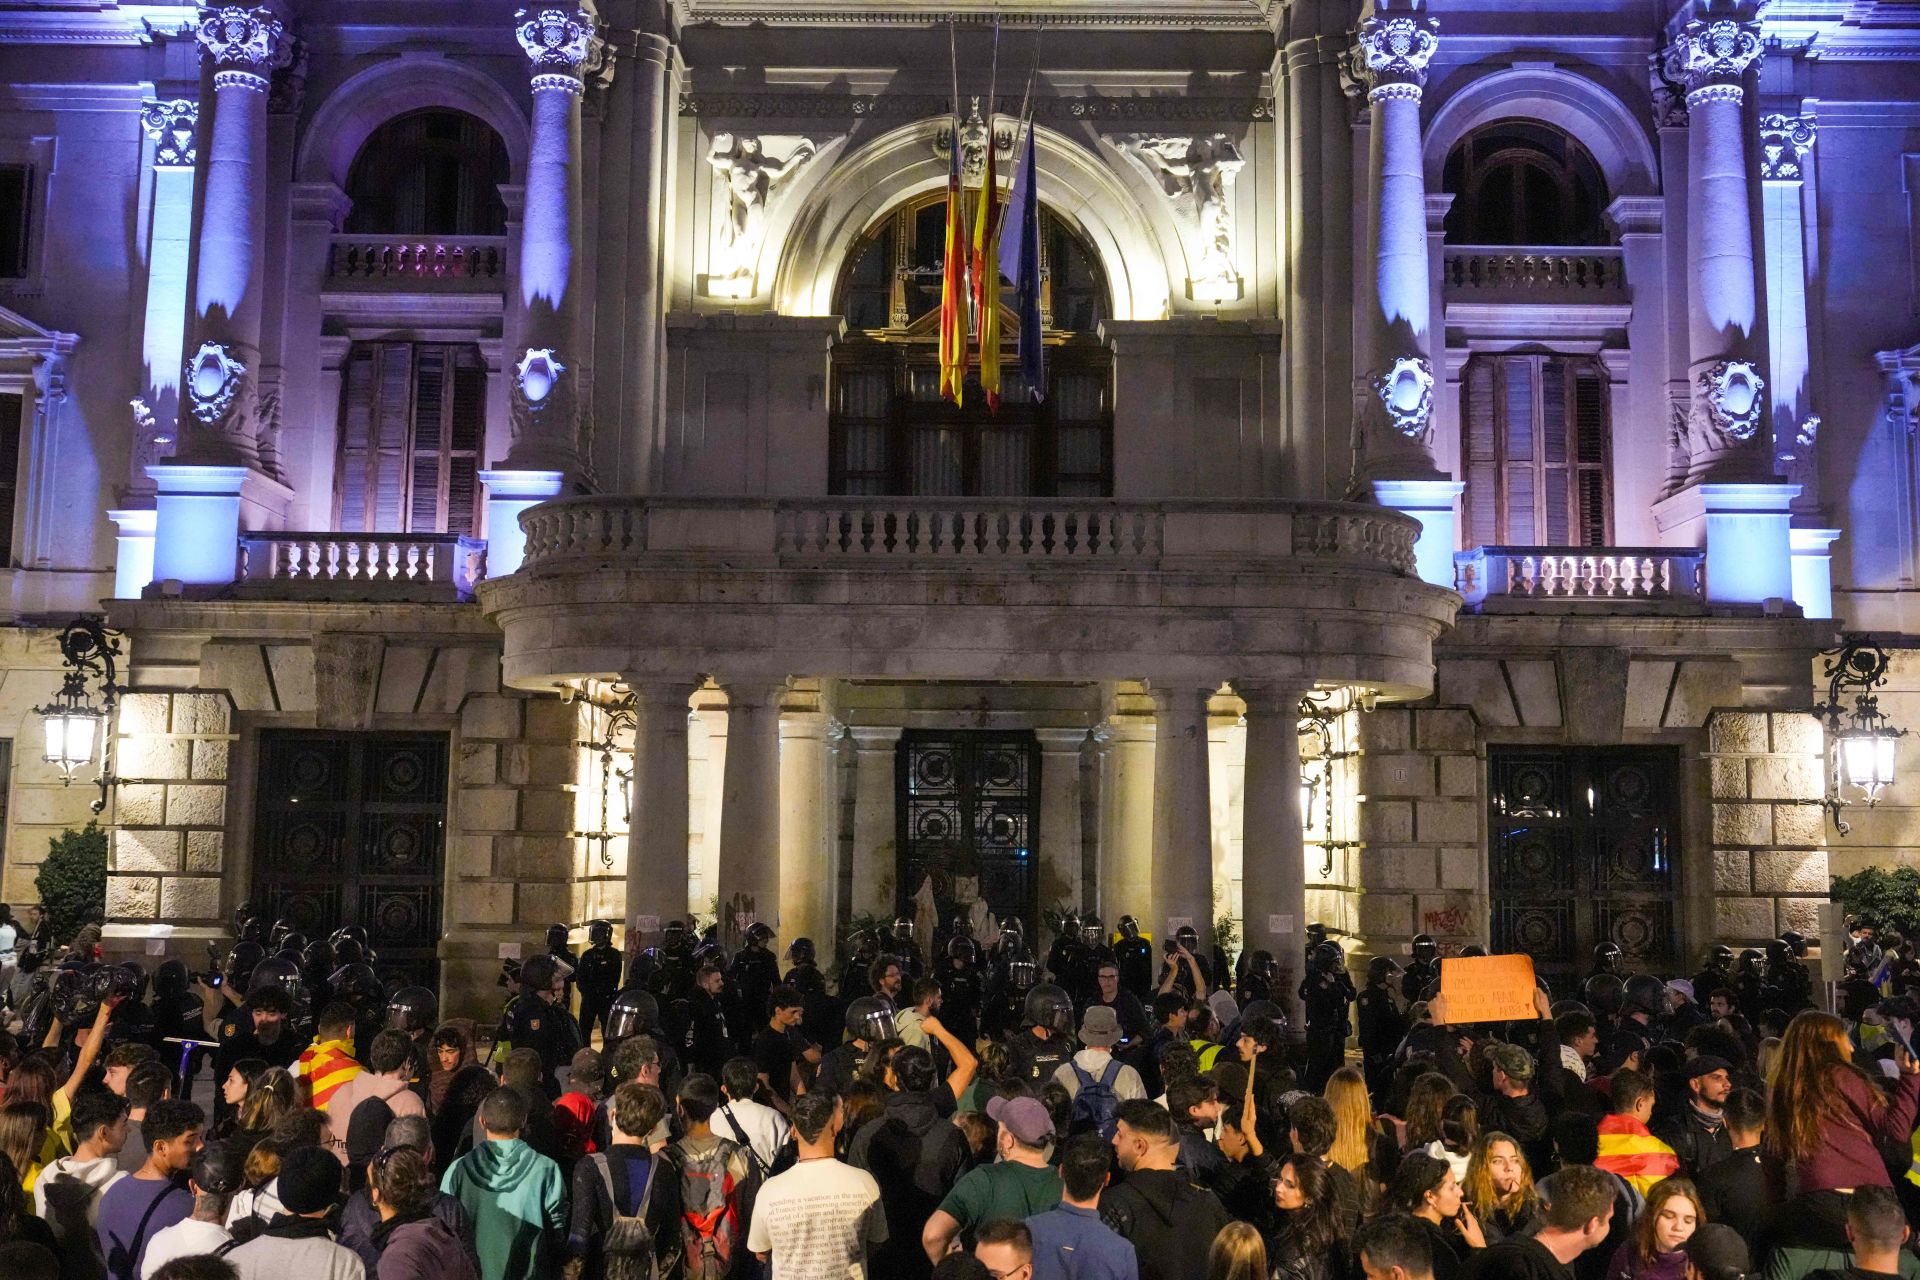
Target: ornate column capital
(1710,56)
(244,45)
(1785,141)
(171,126)
(1392,53)
(563,43)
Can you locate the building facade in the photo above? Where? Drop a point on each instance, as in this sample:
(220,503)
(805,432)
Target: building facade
(510,443)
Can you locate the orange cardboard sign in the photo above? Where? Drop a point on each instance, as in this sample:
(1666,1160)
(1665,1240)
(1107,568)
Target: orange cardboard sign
(1488,988)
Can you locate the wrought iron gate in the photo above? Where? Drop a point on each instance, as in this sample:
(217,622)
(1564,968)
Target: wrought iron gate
(350,828)
(969,811)
(1582,849)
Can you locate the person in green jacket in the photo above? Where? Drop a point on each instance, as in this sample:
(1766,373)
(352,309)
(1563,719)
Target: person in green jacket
(515,1197)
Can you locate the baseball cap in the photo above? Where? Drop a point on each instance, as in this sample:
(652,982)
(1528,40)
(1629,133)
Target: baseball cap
(1024,1118)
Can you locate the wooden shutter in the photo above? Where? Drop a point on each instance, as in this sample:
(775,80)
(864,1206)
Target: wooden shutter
(1535,451)
(16,219)
(412,426)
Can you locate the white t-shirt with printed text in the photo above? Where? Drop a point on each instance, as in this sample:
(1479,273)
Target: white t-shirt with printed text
(817,1220)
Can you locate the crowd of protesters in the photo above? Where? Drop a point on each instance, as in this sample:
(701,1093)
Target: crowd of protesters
(1110,1111)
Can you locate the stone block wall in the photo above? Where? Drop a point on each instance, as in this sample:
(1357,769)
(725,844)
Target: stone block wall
(1420,863)
(167,851)
(1769,831)
(38,804)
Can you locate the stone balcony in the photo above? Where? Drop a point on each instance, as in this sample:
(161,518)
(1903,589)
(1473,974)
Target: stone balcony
(1582,579)
(1533,273)
(1187,591)
(424,567)
(452,264)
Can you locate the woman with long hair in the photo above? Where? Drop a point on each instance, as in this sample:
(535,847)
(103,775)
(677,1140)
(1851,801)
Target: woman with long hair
(233,1092)
(17,1219)
(1459,1127)
(1426,1188)
(23,1130)
(1826,1117)
(1499,1188)
(1311,1242)
(1657,1249)
(1237,1253)
(273,1094)
(1425,1101)
(1358,1145)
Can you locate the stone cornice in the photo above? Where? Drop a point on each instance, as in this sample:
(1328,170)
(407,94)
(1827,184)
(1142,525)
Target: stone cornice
(906,106)
(1138,14)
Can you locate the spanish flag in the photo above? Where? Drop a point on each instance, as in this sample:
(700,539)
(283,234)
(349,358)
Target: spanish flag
(1629,1149)
(953,287)
(986,276)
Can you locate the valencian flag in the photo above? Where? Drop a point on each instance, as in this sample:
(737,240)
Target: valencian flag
(1020,263)
(986,276)
(953,281)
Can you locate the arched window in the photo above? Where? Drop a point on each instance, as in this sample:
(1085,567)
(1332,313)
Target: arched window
(429,173)
(1521,183)
(892,433)
(1535,444)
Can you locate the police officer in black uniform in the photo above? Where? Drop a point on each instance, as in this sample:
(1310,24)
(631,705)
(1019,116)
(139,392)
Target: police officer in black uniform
(1258,979)
(853,974)
(904,947)
(414,1011)
(673,963)
(1717,974)
(754,975)
(961,989)
(1094,952)
(1606,959)
(1788,985)
(1063,957)
(1183,958)
(540,1020)
(869,1020)
(1749,983)
(1328,994)
(1422,970)
(598,977)
(1046,1036)
(557,948)
(1383,1023)
(1134,954)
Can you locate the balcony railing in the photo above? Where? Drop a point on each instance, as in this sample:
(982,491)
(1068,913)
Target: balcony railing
(363,565)
(455,262)
(1517,271)
(1608,574)
(930,532)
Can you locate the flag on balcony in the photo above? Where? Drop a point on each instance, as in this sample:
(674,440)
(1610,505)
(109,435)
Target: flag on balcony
(1020,263)
(986,275)
(953,287)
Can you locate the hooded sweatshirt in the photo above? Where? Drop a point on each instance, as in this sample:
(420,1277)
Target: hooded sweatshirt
(421,1249)
(68,1197)
(1163,1215)
(392,1090)
(292,1247)
(517,1200)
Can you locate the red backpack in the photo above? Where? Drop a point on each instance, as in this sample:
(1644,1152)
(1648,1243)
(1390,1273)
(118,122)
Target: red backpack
(710,1206)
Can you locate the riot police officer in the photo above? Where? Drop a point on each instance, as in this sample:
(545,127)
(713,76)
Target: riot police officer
(707,1040)
(414,1011)
(1788,985)
(1134,954)
(540,1020)
(1183,958)
(869,1020)
(902,946)
(673,963)
(1257,982)
(1423,970)
(1327,994)
(1383,1023)
(755,974)
(598,977)
(569,962)
(960,988)
(1045,1040)
(853,974)
(1094,952)
(1063,957)
(1717,974)
(1006,996)
(1606,959)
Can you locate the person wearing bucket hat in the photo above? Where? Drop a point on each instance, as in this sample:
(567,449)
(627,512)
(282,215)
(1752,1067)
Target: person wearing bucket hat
(1097,1081)
(1018,1185)
(297,1242)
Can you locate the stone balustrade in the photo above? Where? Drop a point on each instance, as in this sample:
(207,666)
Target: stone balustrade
(1521,269)
(933,532)
(362,565)
(1612,574)
(398,260)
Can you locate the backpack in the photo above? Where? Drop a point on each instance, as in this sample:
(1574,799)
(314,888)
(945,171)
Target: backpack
(627,1249)
(1096,1106)
(710,1206)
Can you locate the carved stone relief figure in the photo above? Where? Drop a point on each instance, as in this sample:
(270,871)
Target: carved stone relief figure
(1196,175)
(750,174)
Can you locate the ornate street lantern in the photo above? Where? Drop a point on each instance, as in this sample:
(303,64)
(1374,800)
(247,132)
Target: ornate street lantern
(1861,742)
(77,729)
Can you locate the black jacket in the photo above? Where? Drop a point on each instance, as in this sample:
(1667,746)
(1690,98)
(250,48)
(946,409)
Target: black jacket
(916,1155)
(1166,1218)
(1734,1191)
(1701,1142)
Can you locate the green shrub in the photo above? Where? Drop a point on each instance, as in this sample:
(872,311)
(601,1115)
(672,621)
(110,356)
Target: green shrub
(73,880)
(1890,898)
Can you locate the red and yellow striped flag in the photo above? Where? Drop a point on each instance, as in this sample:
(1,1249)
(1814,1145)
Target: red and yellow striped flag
(953,287)
(986,276)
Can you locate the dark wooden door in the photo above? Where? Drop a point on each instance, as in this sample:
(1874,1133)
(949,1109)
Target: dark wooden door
(1582,852)
(350,828)
(969,817)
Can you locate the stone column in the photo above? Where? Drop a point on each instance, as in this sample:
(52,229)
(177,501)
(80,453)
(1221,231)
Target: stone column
(199,495)
(749,885)
(1060,810)
(1396,41)
(1786,153)
(171,125)
(657,825)
(1734,502)
(807,879)
(651,91)
(875,822)
(1182,876)
(1127,803)
(1274,878)
(544,406)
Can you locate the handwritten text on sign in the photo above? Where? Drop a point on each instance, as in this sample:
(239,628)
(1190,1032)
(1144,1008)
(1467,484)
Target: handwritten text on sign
(1487,988)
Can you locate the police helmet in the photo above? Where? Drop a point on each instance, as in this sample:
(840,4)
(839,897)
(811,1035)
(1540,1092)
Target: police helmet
(278,973)
(1050,1007)
(806,980)
(903,928)
(353,931)
(1720,956)
(1129,927)
(413,1010)
(557,937)
(1092,932)
(539,973)
(1264,1009)
(1606,955)
(871,1019)
(1604,992)
(1778,953)
(1187,936)
(600,934)
(357,984)
(129,981)
(1646,992)
(1382,969)
(241,961)
(1263,963)
(633,1012)
(1327,956)
(866,947)
(759,934)
(960,947)
(171,980)
(281,928)
(800,953)
(1559,1007)
(674,936)
(251,930)
(1796,942)
(348,951)
(1425,949)
(1021,972)
(1752,962)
